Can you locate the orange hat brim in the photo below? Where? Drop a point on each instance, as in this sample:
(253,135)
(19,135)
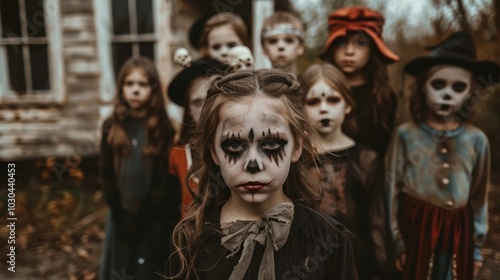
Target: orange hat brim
(379,43)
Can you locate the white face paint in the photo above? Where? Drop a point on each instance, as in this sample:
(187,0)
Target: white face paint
(240,58)
(197,96)
(220,40)
(182,57)
(254,148)
(447,89)
(326,108)
(283,49)
(136,89)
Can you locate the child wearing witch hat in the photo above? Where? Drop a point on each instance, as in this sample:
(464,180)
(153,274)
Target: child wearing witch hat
(189,89)
(438,166)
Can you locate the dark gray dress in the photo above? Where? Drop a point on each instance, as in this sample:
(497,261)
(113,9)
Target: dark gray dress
(144,207)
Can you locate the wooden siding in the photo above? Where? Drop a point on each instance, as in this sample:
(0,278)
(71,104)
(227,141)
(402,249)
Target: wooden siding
(70,129)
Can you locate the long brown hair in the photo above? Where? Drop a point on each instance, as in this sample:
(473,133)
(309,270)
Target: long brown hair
(159,129)
(377,79)
(336,80)
(285,91)
(226,18)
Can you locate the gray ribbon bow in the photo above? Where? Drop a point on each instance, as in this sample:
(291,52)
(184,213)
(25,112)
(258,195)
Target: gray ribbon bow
(271,231)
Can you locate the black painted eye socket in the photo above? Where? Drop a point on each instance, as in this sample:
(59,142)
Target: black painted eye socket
(233,147)
(216,47)
(333,99)
(232,45)
(459,87)
(272,145)
(312,101)
(438,84)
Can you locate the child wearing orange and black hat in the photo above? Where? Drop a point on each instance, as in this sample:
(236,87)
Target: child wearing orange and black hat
(356,47)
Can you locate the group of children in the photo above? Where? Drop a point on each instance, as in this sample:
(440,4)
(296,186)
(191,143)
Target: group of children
(275,175)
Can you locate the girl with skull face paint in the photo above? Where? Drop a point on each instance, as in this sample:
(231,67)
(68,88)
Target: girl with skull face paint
(133,158)
(438,166)
(254,218)
(351,174)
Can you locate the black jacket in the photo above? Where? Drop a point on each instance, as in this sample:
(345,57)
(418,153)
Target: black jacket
(317,247)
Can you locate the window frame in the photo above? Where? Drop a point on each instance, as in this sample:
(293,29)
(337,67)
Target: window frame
(104,31)
(56,95)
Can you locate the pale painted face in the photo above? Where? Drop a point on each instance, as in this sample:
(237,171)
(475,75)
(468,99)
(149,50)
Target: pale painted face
(283,50)
(197,96)
(447,89)
(254,148)
(326,108)
(220,40)
(352,53)
(136,89)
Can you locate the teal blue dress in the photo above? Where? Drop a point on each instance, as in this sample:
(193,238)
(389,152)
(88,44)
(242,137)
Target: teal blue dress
(443,170)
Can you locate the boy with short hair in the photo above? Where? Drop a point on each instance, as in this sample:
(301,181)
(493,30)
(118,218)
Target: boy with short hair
(282,39)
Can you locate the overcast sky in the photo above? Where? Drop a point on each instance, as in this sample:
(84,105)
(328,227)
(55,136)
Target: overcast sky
(414,16)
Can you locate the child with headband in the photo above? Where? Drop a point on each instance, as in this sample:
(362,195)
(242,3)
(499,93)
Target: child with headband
(282,39)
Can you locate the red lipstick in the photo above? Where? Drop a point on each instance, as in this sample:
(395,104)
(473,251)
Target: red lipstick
(253,186)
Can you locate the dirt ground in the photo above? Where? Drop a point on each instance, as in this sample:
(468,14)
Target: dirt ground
(60,235)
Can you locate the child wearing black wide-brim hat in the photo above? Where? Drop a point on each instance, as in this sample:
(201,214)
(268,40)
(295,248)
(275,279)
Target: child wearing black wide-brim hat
(439,165)
(189,89)
(458,49)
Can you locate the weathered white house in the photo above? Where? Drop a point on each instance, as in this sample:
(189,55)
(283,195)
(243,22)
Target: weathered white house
(58,60)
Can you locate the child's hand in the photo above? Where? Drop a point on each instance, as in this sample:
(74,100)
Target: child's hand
(400,262)
(477,266)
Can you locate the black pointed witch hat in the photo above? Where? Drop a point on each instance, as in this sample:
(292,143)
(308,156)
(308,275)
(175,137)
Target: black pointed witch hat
(203,67)
(459,50)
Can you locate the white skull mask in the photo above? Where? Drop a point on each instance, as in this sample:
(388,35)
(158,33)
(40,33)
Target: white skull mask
(182,57)
(447,88)
(240,58)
